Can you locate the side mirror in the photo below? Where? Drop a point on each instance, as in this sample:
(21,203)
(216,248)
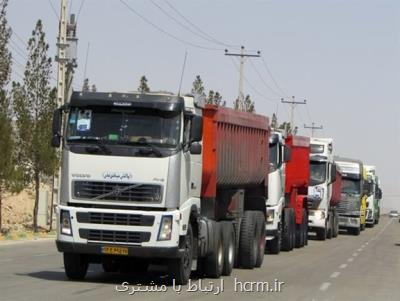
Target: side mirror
(333,173)
(195,148)
(287,154)
(56,128)
(196,130)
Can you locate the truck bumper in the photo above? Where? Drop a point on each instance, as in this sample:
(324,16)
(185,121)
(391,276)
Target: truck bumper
(370,216)
(274,214)
(349,221)
(137,230)
(133,251)
(316,219)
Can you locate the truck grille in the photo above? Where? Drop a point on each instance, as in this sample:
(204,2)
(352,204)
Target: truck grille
(114,236)
(346,205)
(115,219)
(129,192)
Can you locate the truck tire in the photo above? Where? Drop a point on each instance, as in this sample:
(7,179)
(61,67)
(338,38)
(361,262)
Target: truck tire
(214,262)
(362,227)
(76,266)
(329,231)
(305,227)
(110,265)
(299,235)
(286,229)
(273,246)
(229,244)
(354,231)
(321,233)
(293,232)
(248,241)
(336,224)
(376,221)
(180,269)
(260,219)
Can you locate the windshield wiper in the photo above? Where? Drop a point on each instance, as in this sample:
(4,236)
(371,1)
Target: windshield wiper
(143,142)
(99,142)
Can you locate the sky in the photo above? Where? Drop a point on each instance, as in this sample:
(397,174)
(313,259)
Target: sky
(342,56)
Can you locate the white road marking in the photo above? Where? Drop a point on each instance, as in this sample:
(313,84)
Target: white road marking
(350,259)
(343,266)
(324,286)
(355,254)
(359,250)
(335,274)
(5,260)
(40,255)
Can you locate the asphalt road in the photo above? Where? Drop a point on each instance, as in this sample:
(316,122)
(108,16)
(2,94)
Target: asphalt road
(365,267)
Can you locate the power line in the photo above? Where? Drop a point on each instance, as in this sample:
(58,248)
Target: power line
(272,77)
(206,35)
(54,10)
(18,37)
(293,105)
(313,127)
(80,9)
(164,31)
(263,80)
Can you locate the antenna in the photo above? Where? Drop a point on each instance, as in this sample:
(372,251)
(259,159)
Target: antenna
(86,61)
(183,72)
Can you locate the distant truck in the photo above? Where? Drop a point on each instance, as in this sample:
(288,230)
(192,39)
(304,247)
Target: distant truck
(325,187)
(287,214)
(372,199)
(157,178)
(352,207)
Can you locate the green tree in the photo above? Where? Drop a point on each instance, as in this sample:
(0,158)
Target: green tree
(9,174)
(249,104)
(34,103)
(287,127)
(198,86)
(215,98)
(94,88)
(143,86)
(274,121)
(86,86)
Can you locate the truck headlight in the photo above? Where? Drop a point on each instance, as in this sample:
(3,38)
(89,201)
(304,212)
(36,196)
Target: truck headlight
(65,223)
(319,214)
(165,231)
(270,216)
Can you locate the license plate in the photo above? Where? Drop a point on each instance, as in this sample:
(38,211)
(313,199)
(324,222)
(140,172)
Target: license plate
(114,250)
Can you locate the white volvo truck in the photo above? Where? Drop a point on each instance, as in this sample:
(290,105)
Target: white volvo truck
(323,217)
(143,184)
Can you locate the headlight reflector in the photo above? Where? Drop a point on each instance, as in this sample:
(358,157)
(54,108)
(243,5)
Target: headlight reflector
(165,230)
(65,223)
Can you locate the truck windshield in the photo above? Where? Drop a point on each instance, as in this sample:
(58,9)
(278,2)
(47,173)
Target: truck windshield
(112,125)
(350,186)
(317,173)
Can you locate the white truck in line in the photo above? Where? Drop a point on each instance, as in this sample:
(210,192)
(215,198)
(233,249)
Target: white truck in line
(372,215)
(323,216)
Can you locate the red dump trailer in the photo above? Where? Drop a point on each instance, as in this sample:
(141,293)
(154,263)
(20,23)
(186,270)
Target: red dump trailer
(297,171)
(235,178)
(337,188)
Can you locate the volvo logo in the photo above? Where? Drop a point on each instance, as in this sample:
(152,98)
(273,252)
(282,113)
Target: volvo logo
(112,175)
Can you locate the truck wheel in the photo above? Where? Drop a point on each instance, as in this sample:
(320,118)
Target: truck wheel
(229,241)
(180,269)
(110,265)
(248,242)
(330,228)
(273,246)
(321,233)
(299,235)
(354,231)
(336,225)
(362,227)
(293,232)
(214,262)
(305,227)
(260,225)
(75,265)
(376,221)
(286,229)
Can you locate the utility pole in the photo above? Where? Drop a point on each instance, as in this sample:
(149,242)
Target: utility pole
(293,105)
(243,57)
(66,58)
(313,127)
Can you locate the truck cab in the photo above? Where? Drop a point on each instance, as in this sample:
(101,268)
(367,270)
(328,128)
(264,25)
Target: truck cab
(352,206)
(371,198)
(322,215)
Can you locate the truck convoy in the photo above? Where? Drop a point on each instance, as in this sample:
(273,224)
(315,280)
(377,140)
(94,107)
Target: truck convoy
(352,207)
(287,215)
(325,188)
(158,178)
